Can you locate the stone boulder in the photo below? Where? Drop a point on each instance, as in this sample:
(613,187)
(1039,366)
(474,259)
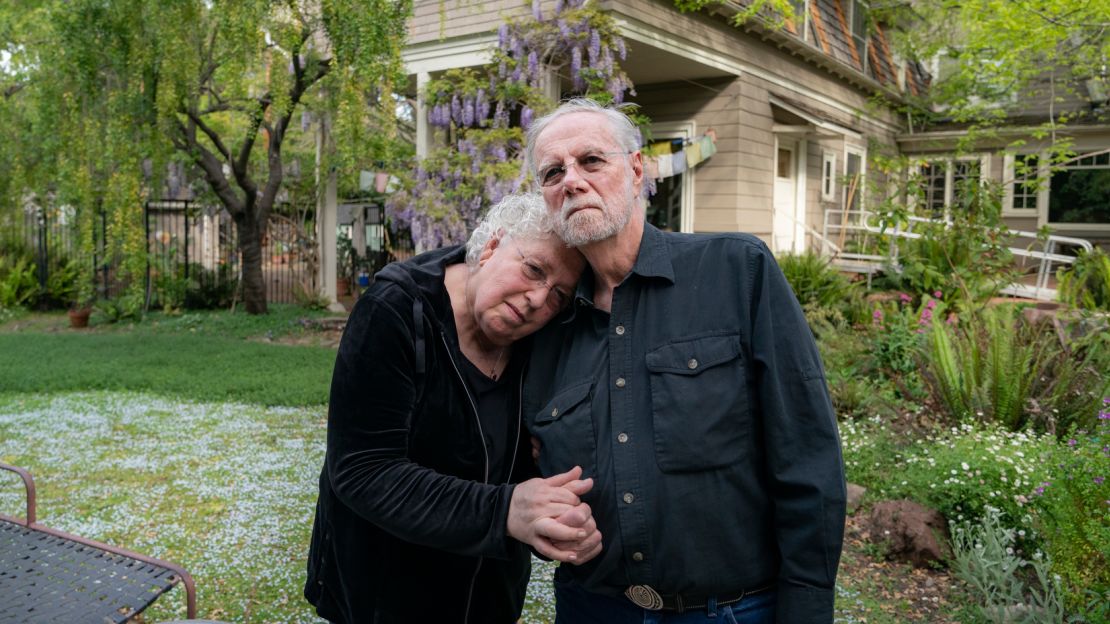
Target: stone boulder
(910,532)
(855,497)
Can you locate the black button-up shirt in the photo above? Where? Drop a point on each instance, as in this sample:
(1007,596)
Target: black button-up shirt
(700,408)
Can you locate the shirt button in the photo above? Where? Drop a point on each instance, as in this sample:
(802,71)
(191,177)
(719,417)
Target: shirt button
(637,556)
(554,412)
(692,364)
(628,497)
(622,438)
(620,382)
(620,330)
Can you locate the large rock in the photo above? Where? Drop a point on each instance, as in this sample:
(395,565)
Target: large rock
(855,497)
(910,532)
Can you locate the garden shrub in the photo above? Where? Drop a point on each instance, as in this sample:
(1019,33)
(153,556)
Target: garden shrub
(982,367)
(996,368)
(814,281)
(958,471)
(19,283)
(967,258)
(1072,511)
(985,558)
(1086,284)
(211,289)
(61,283)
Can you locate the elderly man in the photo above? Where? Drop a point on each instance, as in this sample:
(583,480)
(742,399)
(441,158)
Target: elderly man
(686,382)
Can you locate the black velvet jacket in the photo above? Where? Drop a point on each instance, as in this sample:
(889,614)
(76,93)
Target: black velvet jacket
(409,526)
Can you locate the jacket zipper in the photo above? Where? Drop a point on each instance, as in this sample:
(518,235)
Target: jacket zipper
(485,453)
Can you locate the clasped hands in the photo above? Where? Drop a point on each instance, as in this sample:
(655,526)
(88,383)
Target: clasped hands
(548,515)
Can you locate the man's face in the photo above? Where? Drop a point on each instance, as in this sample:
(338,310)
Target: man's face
(590,183)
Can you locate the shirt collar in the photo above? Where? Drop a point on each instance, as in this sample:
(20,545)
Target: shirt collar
(652,260)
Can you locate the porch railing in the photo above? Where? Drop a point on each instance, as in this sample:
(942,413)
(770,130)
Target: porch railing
(838,225)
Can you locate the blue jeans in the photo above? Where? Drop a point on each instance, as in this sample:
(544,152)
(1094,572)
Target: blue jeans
(574,605)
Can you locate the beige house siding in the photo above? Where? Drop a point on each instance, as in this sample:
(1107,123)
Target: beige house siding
(433,20)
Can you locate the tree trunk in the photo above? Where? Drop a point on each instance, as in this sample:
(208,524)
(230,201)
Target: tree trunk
(250,244)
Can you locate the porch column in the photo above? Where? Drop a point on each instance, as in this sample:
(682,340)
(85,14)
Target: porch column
(326,219)
(423,130)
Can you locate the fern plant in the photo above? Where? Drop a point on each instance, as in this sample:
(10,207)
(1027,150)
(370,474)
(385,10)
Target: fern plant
(997,369)
(1086,284)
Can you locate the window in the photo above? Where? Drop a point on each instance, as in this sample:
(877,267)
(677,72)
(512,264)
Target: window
(945,182)
(858,18)
(1079,193)
(854,173)
(1023,194)
(828,176)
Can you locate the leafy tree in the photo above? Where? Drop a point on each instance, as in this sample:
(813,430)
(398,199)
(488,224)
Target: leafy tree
(112,87)
(995,57)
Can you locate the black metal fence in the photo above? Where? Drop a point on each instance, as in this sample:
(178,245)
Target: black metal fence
(194,248)
(197,245)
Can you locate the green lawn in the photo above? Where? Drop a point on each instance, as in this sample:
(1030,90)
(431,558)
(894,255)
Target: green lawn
(193,438)
(203,368)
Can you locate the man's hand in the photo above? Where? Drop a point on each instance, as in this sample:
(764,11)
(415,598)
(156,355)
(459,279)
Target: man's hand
(546,512)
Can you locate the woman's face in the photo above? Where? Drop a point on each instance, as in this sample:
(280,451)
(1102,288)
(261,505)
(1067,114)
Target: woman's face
(521,284)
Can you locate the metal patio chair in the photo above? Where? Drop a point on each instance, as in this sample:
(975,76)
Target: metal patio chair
(49,576)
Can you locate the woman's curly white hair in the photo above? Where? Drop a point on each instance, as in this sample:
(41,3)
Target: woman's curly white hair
(521,215)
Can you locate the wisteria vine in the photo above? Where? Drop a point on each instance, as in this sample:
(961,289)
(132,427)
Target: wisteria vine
(480,115)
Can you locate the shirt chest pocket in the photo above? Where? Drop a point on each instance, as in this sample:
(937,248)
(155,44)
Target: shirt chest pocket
(699,403)
(565,429)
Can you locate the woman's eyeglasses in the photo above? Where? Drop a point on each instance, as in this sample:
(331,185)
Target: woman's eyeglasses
(587,165)
(534,273)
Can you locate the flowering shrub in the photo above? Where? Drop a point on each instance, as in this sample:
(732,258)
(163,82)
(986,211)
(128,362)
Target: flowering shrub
(959,471)
(481,115)
(1073,509)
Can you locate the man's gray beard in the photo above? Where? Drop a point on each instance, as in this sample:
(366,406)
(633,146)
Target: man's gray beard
(585,228)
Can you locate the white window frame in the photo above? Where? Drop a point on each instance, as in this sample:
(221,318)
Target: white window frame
(862,153)
(685,130)
(983,159)
(1043,201)
(829,174)
(1009,177)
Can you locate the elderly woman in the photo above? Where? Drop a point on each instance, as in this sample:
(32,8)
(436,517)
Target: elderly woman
(426,510)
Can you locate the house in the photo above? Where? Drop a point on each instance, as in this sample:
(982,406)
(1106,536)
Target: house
(793,110)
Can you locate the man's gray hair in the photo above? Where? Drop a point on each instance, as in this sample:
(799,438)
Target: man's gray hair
(520,215)
(625,133)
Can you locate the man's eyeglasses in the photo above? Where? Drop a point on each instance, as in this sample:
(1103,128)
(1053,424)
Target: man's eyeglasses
(534,273)
(587,164)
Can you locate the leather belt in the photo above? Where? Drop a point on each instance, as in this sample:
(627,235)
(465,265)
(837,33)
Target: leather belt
(645,597)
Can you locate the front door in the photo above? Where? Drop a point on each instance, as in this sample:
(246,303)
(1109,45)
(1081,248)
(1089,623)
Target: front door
(786,187)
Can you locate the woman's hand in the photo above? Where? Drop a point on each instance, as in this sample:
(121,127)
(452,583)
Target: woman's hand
(548,515)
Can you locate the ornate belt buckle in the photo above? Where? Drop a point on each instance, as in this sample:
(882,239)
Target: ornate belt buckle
(644,597)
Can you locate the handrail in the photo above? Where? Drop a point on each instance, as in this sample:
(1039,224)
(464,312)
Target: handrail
(1047,255)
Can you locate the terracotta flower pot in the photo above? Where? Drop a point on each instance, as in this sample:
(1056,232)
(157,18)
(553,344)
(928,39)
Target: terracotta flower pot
(79,318)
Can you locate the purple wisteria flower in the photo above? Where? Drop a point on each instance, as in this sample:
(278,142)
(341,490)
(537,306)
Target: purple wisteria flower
(537,12)
(622,51)
(481,105)
(1099,480)
(456,109)
(559,6)
(533,63)
(576,68)
(595,47)
(502,35)
(468,113)
(525,117)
